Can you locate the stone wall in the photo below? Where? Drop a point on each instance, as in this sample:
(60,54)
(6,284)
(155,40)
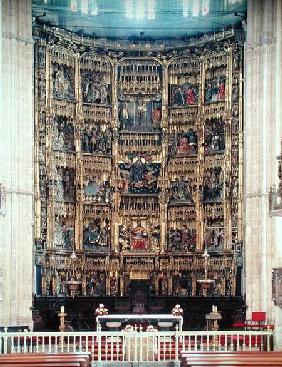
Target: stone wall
(263,131)
(16,165)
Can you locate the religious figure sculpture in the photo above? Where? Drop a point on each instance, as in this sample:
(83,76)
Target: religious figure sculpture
(221,90)
(63,134)
(182,240)
(68,184)
(59,188)
(63,82)
(139,177)
(180,192)
(96,139)
(123,115)
(215,240)
(95,89)
(124,238)
(156,117)
(96,235)
(215,89)
(91,236)
(63,236)
(183,147)
(139,238)
(190,96)
(178,97)
(137,172)
(58,139)
(214,136)
(213,185)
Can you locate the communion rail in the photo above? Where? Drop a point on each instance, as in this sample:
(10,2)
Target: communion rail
(135,345)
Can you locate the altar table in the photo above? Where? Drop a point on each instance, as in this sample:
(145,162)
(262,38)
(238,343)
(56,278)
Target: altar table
(154,319)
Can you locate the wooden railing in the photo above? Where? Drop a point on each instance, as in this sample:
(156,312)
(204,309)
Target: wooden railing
(135,345)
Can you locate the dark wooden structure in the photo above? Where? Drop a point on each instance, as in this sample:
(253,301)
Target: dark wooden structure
(81,310)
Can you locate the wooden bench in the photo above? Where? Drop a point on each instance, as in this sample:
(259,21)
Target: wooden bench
(46,360)
(251,358)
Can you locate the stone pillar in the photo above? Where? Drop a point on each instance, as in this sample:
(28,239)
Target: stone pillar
(263,131)
(16,162)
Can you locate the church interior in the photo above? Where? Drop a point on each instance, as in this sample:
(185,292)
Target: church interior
(141,181)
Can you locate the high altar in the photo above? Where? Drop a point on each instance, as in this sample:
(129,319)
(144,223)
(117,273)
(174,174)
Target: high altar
(138,166)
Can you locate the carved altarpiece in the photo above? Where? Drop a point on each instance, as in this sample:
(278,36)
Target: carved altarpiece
(138,166)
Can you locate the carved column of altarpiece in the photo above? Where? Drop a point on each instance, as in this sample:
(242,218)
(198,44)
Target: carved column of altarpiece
(138,166)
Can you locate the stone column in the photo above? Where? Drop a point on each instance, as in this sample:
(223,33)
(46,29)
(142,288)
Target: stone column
(16,162)
(263,131)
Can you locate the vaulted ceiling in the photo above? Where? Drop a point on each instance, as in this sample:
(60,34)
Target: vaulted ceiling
(145,19)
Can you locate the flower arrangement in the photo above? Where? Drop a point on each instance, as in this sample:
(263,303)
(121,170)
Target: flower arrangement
(101,310)
(151,328)
(128,328)
(177,310)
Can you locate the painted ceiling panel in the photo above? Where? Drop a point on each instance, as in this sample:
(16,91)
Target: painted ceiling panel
(146,19)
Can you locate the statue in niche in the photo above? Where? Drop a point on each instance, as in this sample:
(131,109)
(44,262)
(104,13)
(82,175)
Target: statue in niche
(63,235)
(217,291)
(96,286)
(139,238)
(182,145)
(214,136)
(163,285)
(94,88)
(124,238)
(137,171)
(41,56)
(215,89)
(63,134)
(96,235)
(63,82)
(180,191)
(156,117)
(142,112)
(96,140)
(178,97)
(68,184)
(190,97)
(213,185)
(58,285)
(114,284)
(123,115)
(154,231)
(104,94)
(228,287)
(58,139)
(59,187)
(215,239)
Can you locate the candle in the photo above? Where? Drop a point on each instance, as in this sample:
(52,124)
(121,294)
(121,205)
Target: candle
(62,309)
